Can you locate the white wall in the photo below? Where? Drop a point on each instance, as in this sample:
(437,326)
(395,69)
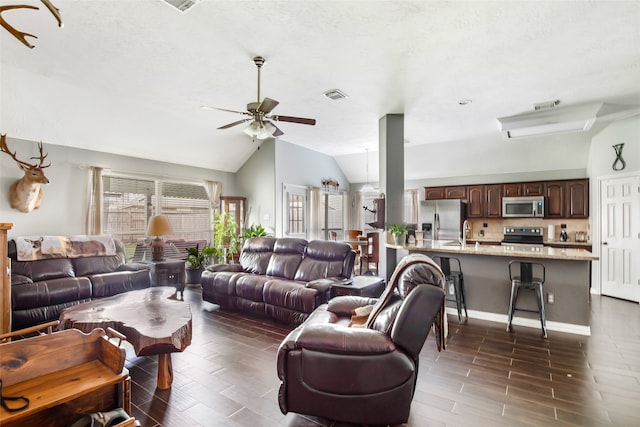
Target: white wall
(601,158)
(63,207)
(256,180)
(300,166)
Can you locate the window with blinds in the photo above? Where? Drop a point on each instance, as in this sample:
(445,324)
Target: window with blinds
(332,213)
(129,202)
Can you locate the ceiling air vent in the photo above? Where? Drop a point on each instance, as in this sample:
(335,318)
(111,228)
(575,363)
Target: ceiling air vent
(182,5)
(335,94)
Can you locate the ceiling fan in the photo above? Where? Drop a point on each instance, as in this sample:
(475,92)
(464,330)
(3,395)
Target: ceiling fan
(261,126)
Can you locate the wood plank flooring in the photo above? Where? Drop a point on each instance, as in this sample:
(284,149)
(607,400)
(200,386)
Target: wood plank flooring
(486,377)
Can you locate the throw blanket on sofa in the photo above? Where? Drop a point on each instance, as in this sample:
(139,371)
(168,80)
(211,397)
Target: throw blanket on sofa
(33,248)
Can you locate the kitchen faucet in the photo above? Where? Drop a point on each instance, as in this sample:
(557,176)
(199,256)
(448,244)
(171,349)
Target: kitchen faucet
(465,230)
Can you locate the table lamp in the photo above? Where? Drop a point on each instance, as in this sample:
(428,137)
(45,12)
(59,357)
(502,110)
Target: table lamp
(158,226)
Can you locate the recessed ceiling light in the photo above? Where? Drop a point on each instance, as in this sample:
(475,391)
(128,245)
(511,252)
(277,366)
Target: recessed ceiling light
(335,94)
(465,102)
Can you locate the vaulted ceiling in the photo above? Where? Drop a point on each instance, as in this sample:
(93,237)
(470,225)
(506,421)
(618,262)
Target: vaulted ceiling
(128,76)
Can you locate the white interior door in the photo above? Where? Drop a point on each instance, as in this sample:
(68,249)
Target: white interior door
(620,239)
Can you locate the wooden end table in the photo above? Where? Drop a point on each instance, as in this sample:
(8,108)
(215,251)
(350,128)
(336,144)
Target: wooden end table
(168,272)
(364,286)
(153,321)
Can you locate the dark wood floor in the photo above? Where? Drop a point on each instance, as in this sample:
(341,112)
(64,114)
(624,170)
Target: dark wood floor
(486,377)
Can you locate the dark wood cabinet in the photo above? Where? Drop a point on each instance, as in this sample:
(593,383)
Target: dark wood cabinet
(493,201)
(512,189)
(438,193)
(577,198)
(433,193)
(533,188)
(475,201)
(563,198)
(554,202)
(457,192)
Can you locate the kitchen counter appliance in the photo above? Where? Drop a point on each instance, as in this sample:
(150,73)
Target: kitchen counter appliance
(522,207)
(519,238)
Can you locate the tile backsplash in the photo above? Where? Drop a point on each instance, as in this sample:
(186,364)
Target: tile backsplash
(494,227)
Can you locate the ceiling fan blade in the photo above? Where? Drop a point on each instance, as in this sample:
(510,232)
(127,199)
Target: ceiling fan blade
(205,107)
(234,123)
(267,105)
(276,132)
(291,119)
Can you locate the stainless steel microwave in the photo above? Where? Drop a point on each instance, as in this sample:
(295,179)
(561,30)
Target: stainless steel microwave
(522,207)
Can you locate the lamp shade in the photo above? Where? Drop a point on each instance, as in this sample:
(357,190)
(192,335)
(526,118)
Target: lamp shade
(159,226)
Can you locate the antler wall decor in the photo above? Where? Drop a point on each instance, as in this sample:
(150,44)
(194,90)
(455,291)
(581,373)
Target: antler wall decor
(19,34)
(25,194)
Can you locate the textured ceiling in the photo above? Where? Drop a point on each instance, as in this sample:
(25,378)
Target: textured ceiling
(129,76)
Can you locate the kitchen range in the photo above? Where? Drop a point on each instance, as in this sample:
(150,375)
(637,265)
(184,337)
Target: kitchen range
(523,239)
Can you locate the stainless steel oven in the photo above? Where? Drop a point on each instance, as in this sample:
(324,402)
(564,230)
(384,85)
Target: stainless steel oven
(522,207)
(523,238)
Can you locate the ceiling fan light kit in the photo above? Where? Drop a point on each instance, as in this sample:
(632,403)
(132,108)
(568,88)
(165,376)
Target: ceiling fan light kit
(261,126)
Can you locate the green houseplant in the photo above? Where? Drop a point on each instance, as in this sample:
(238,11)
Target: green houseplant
(397,231)
(226,240)
(255,231)
(196,261)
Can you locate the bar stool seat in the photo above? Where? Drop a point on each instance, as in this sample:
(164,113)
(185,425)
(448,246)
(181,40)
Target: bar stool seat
(455,283)
(531,276)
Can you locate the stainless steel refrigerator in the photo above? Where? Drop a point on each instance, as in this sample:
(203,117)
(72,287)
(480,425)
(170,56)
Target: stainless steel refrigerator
(444,218)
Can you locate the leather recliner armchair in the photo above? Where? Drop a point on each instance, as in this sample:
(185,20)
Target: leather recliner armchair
(367,374)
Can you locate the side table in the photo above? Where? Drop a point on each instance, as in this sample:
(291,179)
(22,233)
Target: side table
(168,272)
(364,286)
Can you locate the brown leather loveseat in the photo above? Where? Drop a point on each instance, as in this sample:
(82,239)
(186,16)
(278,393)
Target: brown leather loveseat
(366,372)
(42,288)
(282,278)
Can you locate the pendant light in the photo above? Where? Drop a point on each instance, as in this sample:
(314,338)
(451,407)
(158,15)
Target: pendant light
(367,187)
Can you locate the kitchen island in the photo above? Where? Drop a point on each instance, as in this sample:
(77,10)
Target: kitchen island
(488,289)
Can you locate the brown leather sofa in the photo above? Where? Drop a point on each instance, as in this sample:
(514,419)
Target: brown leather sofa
(364,374)
(282,278)
(41,289)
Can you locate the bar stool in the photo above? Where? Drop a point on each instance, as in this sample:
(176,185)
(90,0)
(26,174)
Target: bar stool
(527,280)
(455,283)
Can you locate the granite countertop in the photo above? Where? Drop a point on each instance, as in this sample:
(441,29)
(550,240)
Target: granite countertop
(546,252)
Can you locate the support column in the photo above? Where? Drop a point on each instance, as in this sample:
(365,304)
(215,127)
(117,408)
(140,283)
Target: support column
(391,150)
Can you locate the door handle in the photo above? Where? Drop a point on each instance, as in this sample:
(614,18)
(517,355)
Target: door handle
(605,243)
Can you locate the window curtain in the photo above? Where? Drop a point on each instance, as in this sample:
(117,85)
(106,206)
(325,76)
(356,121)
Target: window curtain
(357,217)
(93,223)
(214,190)
(314,213)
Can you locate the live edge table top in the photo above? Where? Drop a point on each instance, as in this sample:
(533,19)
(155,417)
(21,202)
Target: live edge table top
(153,321)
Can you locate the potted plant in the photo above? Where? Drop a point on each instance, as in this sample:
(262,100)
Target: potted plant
(397,231)
(196,261)
(255,231)
(226,241)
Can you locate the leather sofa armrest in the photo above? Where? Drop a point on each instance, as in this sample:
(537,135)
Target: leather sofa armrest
(335,338)
(133,266)
(343,306)
(19,279)
(324,284)
(224,267)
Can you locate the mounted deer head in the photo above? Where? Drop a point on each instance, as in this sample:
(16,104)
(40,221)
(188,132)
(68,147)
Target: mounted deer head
(25,194)
(19,34)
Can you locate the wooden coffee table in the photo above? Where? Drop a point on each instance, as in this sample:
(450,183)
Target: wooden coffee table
(153,321)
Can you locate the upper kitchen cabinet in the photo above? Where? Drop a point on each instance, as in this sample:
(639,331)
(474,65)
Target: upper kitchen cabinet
(577,198)
(554,202)
(437,193)
(516,189)
(484,201)
(493,200)
(475,201)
